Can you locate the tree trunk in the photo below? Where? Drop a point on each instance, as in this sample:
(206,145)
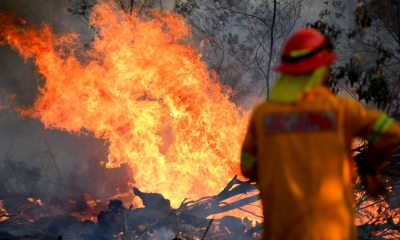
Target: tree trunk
(271,46)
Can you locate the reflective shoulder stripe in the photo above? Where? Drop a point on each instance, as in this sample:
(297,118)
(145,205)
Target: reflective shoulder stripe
(248,160)
(380,128)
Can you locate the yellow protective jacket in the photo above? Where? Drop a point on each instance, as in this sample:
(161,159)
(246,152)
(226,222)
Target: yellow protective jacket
(300,155)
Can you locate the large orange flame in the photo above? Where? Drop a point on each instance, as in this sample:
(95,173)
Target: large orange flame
(143,88)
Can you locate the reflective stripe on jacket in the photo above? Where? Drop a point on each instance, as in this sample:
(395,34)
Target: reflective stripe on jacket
(300,154)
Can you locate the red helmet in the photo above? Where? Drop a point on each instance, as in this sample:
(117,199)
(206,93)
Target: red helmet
(305,51)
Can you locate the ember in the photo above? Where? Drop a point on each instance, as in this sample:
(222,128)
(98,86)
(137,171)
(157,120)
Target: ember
(37,201)
(3,212)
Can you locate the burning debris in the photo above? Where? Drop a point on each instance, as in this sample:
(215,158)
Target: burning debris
(3,212)
(157,220)
(37,201)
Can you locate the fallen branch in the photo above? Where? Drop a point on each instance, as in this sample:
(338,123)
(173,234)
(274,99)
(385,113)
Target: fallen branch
(207,206)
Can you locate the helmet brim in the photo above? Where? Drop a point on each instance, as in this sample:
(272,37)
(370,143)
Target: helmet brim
(303,66)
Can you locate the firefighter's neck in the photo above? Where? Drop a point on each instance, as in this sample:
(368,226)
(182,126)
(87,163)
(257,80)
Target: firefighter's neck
(325,82)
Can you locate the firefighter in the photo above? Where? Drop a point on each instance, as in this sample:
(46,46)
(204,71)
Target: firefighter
(298,147)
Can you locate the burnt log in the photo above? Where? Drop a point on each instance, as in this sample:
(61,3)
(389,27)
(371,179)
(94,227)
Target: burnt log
(155,221)
(195,213)
(197,222)
(109,224)
(366,231)
(255,230)
(231,224)
(154,200)
(207,206)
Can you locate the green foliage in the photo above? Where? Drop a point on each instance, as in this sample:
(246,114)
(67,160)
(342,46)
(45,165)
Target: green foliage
(370,83)
(186,8)
(328,29)
(363,18)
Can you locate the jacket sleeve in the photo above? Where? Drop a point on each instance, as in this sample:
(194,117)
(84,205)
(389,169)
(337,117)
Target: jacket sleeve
(381,132)
(248,161)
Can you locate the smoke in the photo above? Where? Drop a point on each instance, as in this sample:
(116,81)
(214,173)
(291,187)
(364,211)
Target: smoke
(19,77)
(163,233)
(34,160)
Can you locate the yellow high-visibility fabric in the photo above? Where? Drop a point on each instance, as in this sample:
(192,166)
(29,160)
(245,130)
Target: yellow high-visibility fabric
(380,128)
(289,88)
(248,160)
(305,177)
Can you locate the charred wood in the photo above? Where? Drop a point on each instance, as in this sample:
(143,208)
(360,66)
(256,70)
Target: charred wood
(157,220)
(367,231)
(154,200)
(207,206)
